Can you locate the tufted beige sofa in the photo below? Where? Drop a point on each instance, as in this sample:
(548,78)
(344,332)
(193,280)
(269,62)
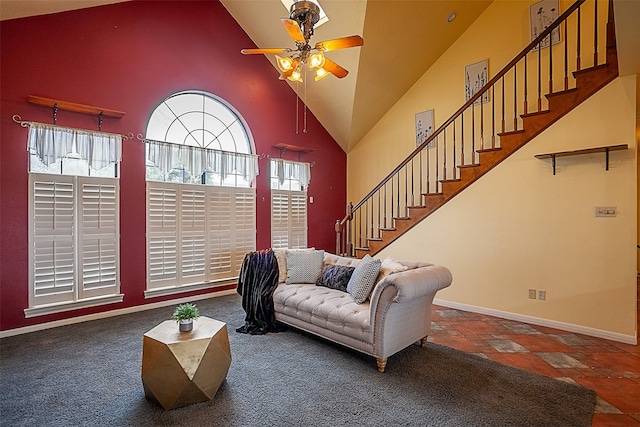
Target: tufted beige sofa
(397,314)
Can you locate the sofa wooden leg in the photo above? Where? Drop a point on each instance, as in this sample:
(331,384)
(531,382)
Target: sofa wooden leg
(382,363)
(423,342)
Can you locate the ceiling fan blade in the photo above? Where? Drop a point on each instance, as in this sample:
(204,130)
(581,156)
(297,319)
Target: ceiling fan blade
(294,30)
(334,68)
(261,51)
(341,43)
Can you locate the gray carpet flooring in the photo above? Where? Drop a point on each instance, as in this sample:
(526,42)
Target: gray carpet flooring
(88,374)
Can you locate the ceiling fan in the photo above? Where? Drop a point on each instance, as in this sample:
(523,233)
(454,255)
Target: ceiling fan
(303,16)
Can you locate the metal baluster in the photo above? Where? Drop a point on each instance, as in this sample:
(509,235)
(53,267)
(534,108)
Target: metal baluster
(566,57)
(578,41)
(595,34)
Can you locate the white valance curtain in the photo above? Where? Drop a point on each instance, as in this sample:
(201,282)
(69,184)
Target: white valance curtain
(288,169)
(51,143)
(196,160)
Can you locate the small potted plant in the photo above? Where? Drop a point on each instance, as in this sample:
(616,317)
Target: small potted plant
(185,314)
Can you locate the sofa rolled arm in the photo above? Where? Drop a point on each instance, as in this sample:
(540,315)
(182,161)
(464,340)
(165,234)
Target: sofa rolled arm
(413,283)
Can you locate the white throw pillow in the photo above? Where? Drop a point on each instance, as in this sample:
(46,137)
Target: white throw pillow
(363,278)
(281,256)
(304,266)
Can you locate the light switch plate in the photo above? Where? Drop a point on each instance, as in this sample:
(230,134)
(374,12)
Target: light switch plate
(606,211)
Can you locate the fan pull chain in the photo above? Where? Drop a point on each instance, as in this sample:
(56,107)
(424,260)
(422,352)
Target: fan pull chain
(305,106)
(297,107)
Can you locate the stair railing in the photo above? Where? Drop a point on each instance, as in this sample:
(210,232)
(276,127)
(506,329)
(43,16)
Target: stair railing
(541,68)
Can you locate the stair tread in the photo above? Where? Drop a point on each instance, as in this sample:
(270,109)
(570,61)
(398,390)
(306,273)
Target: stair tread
(488,150)
(374,239)
(511,132)
(471,165)
(586,70)
(417,207)
(388,229)
(402,217)
(534,113)
(451,180)
(432,194)
(561,92)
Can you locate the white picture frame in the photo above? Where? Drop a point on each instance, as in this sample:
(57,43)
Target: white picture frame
(541,15)
(424,127)
(475,77)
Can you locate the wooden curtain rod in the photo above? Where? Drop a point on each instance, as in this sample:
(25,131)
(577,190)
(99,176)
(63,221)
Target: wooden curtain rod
(72,106)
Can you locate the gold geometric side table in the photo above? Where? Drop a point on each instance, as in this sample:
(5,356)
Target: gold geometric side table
(182,368)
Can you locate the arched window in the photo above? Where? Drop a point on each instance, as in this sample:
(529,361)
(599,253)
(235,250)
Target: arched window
(201,208)
(221,139)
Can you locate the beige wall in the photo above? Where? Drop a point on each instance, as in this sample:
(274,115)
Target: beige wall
(520,227)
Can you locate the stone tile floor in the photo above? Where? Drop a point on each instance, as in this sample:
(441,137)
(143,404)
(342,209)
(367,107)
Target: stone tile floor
(610,368)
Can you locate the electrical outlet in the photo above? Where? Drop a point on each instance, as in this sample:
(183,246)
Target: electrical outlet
(532,294)
(542,295)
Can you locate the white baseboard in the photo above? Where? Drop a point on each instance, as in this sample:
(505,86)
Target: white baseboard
(584,330)
(111,313)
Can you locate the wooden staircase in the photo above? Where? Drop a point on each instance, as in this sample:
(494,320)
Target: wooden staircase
(388,212)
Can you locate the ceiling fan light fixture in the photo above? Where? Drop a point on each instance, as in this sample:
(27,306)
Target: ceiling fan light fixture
(296,75)
(316,60)
(321,73)
(285,64)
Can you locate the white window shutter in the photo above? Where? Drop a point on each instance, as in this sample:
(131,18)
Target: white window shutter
(244,226)
(162,234)
(219,221)
(99,248)
(74,239)
(192,237)
(197,233)
(288,219)
(52,213)
(298,219)
(279,219)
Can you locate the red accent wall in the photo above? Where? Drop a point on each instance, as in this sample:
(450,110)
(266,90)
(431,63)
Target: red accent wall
(129,57)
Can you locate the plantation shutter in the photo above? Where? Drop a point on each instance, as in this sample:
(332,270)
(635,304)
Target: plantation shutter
(192,236)
(279,219)
(53,248)
(74,238)
(220,220)
(244,225)
(162,235)
(197,234)
(288,219)
(99,249)
(298,219)
(232,227)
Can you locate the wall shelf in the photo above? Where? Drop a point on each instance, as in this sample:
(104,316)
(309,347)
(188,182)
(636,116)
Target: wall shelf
(605,150)
(295,148)
(77,108)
